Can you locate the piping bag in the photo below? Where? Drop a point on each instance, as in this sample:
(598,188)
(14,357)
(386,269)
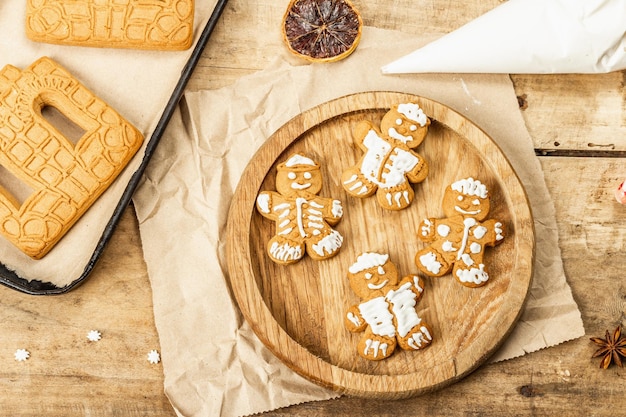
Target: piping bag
(529,37)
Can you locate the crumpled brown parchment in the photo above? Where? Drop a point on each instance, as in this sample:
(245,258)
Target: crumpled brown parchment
(213,363)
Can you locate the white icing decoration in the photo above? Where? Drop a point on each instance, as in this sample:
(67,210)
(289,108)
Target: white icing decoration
(381,270)
(354,319)
(415,341)
(426,333)
(480,232)
(416,284)
(474,275)
(351,179)
(426,227)
(368,275)
(393,133)
(447,246)
(430,262)
(470,212)
(379,286)
(307,175)
(377,151)
(291,175)
(285,252)
(375,346)
(285,231)
(368,260)
(397,198)
(475,247)
(299,203)
(467,223)
(498,230)
(297,186)
(284,210)
(385,165)
(476,202)
(401,162)
(403,307)
(398,122)
(356,185)
(336,208)
(390,315)
(376,313)
(470,186)
(329,244)
(443,230)
(263,202)
(413,112)
(467,259)
(298,159)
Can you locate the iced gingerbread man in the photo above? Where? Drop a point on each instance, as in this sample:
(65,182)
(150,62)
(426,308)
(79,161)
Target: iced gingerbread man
(389,164)
(303,219)
(458,241)
(387,312)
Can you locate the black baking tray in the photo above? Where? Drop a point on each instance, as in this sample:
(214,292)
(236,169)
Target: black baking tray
(36,287)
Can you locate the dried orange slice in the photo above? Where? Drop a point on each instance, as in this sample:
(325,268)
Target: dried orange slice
(322,30)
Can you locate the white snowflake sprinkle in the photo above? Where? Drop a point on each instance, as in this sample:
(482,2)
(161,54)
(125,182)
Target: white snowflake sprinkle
(154,357)
(21,355)
(94,335)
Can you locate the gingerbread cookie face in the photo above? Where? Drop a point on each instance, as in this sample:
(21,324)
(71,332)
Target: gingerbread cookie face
(386,315)
(389,164)
(66,178)
(138,24)
(303,219)
(458,241)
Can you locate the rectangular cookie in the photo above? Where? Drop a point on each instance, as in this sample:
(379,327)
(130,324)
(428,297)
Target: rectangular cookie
(66,178)
(136,24)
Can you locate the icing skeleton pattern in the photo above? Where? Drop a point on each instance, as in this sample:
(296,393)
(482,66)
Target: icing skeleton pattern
(458,241)
(303,219)
(387,314)
(389,164)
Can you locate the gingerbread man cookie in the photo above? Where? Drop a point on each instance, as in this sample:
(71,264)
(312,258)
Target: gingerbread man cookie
(303,219)
(387,312)
(389,164)
(458,241)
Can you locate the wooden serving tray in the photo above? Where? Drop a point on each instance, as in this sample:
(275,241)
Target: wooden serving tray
(298,310)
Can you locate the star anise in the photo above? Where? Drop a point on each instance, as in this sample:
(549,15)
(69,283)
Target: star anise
(612,348)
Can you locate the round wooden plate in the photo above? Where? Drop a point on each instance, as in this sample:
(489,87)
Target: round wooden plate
(297,310)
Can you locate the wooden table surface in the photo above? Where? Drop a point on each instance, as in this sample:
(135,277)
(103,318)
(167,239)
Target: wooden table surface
(578,125)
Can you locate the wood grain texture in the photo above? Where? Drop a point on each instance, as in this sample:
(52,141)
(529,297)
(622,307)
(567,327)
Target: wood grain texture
(298,310)
(559,381)
(67,374)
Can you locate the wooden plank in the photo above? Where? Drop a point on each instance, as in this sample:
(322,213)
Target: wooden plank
(585,113)
(66,373)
